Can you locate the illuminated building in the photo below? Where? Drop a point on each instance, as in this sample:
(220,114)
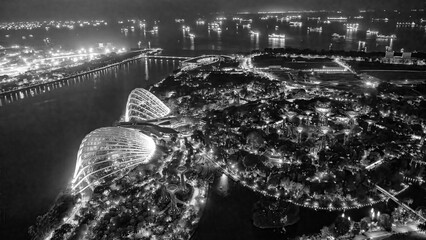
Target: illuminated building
(107,153)
(143,105)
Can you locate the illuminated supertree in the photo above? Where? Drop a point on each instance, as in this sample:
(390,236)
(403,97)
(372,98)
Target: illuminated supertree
(164,197)
(323,109)
(109,152)
(309,117)
(324,131)
(143,105)
(299,135)
(347,133)
(300,117)
(291,115)
(181,170)
(369,122)
(268,121)
(173,210)
(384,113)
(314,154)
(352,117)
(283,116)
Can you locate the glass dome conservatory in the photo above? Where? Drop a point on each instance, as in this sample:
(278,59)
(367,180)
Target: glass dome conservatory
(143,105)
(108,153)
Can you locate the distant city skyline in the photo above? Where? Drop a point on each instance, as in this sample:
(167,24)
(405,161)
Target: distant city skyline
(66,9)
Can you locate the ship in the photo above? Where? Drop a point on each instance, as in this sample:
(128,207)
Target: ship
(352,26)
(371,32)
(314,29)
(276,36)
(295,24)
(336,36)
(386,37)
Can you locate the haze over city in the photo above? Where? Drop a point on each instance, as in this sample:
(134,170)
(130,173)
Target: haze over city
(71,9)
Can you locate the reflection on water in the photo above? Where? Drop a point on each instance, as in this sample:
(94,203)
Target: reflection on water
(223,185)
(254,41)
(40,136)
(276,42)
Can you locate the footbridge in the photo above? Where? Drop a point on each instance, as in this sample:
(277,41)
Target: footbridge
(397,201)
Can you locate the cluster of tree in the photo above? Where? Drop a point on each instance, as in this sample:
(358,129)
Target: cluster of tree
(269,213)
(44,224)
(343,226)
(422,226)
(388,174)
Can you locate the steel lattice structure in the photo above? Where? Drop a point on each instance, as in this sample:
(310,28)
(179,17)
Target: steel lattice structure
(143,105)
(108,153)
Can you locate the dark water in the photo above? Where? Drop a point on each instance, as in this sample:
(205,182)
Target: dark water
(40,136)
(233,38)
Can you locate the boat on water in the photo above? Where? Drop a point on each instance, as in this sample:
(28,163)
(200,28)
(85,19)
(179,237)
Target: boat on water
(276,36)
(253,33)
(295,24)
(314,29)
(352,26)
(386,37)
(337,36)
(200,22)
(371,32)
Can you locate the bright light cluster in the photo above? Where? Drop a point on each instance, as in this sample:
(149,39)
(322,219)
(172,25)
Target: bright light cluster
(143,105)
(50,24)
(107,153)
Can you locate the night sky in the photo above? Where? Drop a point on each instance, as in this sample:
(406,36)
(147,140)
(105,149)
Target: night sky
(72,9)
